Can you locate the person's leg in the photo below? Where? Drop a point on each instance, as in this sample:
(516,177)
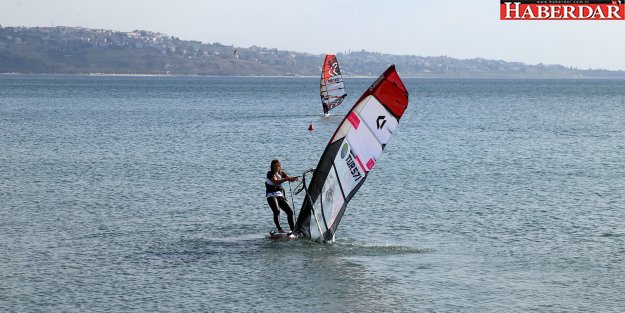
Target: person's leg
(273,204)
(289,212)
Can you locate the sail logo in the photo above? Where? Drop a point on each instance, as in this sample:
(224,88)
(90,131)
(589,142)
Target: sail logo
(333,68)
(344,150)
(562,10)
(334,80)
(380,121)
(353,169)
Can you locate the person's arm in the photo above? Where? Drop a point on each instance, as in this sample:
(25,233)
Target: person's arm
(280,181)
(289,178)
(285,178)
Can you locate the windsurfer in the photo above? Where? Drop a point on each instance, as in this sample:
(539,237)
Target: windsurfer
(331,86)
(276,196)
(324,102)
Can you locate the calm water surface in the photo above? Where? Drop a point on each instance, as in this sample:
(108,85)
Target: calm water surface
(145,194)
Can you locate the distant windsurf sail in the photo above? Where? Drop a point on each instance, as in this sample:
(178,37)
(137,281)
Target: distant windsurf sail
(352,152)
(332,87)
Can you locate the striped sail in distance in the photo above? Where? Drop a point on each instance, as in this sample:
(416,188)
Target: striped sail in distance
(332,88)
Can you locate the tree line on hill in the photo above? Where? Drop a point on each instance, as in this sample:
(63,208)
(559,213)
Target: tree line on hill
(77,50)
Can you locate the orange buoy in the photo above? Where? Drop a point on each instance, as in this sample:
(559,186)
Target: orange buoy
(311,127)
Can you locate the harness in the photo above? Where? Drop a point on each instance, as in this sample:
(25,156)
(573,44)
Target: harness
(270,187)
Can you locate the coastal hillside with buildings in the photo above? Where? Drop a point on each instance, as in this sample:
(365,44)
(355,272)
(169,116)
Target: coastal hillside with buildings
(77,50)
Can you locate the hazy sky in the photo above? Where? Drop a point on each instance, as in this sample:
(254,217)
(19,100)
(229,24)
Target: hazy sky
(459,29)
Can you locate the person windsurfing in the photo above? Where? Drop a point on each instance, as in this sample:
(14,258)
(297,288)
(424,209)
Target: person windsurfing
(331,86)
(276,196)
(324,103)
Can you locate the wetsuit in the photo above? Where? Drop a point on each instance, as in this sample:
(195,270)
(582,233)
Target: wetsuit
(277,200)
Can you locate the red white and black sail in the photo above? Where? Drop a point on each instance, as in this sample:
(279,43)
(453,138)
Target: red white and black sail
(332,88)
(352,152)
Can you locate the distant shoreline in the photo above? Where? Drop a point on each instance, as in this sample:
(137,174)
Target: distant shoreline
(98,52)
(468,77)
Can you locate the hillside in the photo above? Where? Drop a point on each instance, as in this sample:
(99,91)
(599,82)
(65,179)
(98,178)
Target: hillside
(75,50)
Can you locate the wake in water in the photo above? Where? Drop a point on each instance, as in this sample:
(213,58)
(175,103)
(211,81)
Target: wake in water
(358,249)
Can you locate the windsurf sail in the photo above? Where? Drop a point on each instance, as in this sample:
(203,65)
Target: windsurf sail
(332,87)
(351,153)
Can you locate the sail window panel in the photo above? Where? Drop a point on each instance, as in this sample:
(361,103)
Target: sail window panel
(332,199)
(379,120)
(336,91)
(365,146)
(317,226)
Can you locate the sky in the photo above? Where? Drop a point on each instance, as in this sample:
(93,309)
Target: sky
(459,29)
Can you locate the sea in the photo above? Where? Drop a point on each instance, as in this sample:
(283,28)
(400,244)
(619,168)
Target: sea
(146,194)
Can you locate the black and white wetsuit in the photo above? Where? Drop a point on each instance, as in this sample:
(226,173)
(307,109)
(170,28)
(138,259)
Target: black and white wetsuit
(276,198)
